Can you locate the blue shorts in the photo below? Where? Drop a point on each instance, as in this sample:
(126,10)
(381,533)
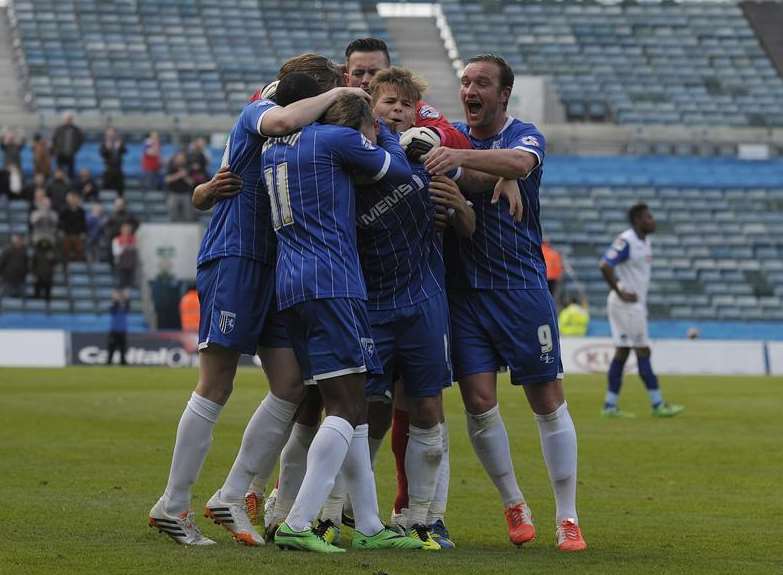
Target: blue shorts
(492,329)
(275,332)
(236,295)
(412,343)
(331,337)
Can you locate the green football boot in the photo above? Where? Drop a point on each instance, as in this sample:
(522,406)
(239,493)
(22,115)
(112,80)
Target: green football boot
(287,538)
(385,539)
(328,530)
(616,413)
(667,410)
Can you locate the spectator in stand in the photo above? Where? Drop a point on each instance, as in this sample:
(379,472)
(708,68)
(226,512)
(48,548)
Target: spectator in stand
(13,267)
(554,270)
(120,215)
(180,187)
(42,159)
(123,249)
(151,162)
(96,232)
(58,189)
(112,151)
(198,153)
(73,223)
(43,222)
(66,141)
(44,261)
(118,328)
(12,145)
(189,310)
(574,319)
(38,184)
(86,186)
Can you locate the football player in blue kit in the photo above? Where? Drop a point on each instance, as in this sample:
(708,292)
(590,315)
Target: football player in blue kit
(501,311)
(403,267)
(322,294)
(235,280)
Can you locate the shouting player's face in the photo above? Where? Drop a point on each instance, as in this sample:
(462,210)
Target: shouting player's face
(362,66)
(482,97)
(394,108)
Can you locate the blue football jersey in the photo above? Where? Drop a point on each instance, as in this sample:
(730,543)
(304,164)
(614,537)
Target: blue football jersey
(241,225)
(401,255)
(313,197)
(504,254)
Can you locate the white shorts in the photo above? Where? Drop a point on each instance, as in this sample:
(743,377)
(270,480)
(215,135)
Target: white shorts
(628,322)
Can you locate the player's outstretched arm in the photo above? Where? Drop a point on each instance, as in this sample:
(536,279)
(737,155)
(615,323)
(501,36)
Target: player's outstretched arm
(280,121)
(224,184)
(510,164)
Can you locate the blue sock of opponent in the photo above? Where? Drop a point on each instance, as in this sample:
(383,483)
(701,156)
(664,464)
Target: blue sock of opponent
(615,377)
(650,381)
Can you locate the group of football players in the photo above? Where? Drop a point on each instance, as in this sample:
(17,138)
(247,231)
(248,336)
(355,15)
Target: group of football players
(370,253)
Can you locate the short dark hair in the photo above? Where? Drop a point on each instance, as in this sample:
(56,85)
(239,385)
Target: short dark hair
(350,110)
(636,211)
(294,87)
(506,73)
(367,45)
(320,68)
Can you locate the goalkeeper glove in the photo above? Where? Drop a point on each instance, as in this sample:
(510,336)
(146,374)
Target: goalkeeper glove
(419,141)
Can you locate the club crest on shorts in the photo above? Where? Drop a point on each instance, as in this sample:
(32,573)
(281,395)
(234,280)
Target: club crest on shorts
(368,344)
(546,358)
(228,321)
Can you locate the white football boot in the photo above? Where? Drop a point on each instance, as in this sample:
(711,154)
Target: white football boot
(233,517)
(181,527)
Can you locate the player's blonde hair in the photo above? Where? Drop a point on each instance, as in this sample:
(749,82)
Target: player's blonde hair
(321,69)
(406,83)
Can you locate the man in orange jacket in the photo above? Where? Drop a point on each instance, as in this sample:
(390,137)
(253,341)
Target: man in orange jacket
(189,310)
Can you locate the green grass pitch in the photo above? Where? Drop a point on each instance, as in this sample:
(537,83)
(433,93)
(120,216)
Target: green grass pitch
(84,453)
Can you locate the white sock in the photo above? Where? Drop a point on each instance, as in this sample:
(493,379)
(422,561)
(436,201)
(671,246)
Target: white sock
(558,443)
(324,459)
(439,500)
(422,463)
(293,464)
(488,435)
(361,483)
(258,485)
(264,438)
(194,436)
(333,508)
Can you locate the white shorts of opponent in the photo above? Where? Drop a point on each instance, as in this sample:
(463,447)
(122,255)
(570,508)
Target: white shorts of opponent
(628,322)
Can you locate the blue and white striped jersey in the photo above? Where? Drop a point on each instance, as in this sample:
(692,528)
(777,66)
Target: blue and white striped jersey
(401,255)
(313,197)
(504,254)
(240,225)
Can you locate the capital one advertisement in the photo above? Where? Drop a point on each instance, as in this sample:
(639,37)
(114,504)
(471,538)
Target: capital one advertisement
(161,349)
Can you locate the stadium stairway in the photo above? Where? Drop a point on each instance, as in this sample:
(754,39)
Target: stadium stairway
(766,19)
(11,101)
(421,49)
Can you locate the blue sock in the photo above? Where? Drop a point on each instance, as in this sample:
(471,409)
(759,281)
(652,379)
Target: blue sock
(650,381)
(615,377)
